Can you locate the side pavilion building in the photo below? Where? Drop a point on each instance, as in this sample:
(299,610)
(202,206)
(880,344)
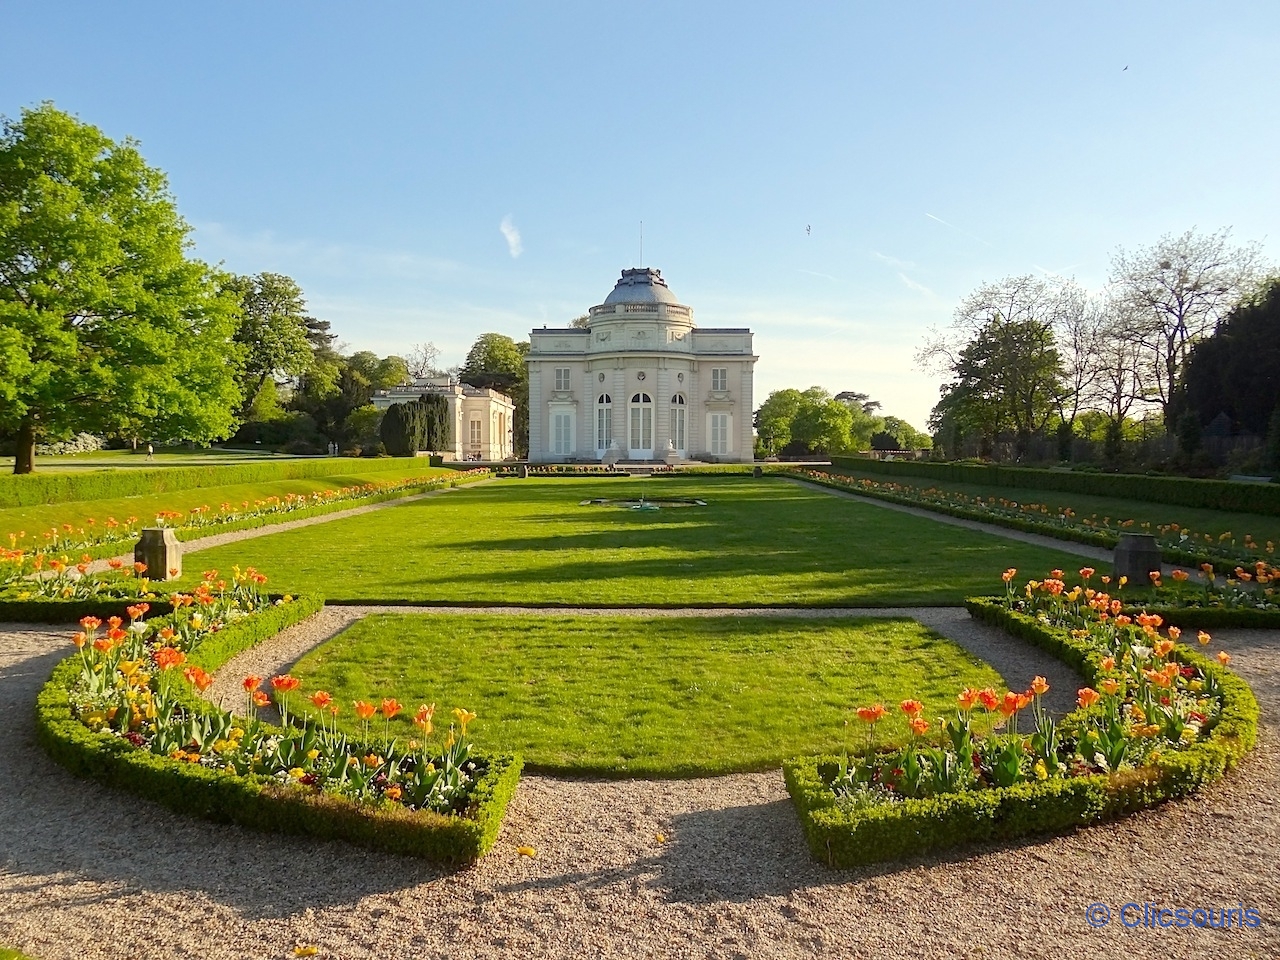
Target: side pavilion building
(640,382)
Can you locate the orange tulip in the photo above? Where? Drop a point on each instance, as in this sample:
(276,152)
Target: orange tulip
(1108,664)
(283,683)
(919,726)
(1087,572)
(1174,633)
(967,698)
(871,714)
(1040,685)
(364,710)
(260,699)
(80,639)
(1110,687)
(390,707)
(1223,657)
(1087,697)
(167,657)
(912,708)
(1203,638)
(321,699)
(987,697)
(1179,575)
(1163,648)
(250,683)
(1009,574)
(1010,704)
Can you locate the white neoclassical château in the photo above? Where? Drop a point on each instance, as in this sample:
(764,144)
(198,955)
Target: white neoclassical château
(480,418)
(640,382)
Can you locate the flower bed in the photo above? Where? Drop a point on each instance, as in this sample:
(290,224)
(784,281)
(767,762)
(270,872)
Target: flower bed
(1177,543)
(93,540)
(125,709)
(1157,721)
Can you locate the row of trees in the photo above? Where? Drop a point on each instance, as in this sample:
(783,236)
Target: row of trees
(804,423)
(1029,355)
(109,327)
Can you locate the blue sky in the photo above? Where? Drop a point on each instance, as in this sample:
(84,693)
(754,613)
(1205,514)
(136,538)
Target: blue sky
(374,152)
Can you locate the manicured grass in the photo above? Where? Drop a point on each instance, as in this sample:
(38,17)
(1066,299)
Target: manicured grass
(1214,522)
(528,542)
(37,519)
(639,696)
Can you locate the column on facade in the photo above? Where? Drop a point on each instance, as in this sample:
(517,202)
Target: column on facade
(696,406)
(619,391)
(537,434)
(661,410)
(747,446)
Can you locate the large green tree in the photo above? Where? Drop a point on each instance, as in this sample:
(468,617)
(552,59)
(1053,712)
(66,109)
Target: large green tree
(497,361)
(106,325)
(273,332)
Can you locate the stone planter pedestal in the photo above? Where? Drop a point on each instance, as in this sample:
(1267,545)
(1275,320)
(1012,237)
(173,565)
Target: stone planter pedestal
(160,549)
(1137,554)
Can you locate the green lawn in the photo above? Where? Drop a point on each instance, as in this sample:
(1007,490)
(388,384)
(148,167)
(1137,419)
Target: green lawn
(633,696)
(36,519)
(529,542)
(164,457)
(1215,522)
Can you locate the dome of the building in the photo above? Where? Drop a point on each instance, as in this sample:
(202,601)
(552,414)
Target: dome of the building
(641,285)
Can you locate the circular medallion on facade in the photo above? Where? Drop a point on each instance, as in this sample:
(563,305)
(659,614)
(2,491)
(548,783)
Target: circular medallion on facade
(602,378)
(640,375)
(680,377)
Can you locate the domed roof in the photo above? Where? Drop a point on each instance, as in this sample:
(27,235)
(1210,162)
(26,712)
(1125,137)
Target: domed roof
(641,285)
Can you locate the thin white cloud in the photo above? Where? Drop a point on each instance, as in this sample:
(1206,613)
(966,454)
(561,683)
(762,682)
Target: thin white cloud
(815,273)
(912,285)
(894,261)
(514,244)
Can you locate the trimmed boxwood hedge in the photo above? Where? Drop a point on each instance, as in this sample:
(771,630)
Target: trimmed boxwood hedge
(1181,491)
(257,802)
(1095,538)
(842,838)
(38,489)
(43,610)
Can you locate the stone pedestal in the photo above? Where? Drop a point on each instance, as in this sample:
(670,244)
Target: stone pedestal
(161,551)
(522,471)
(1137,554)
(758,472)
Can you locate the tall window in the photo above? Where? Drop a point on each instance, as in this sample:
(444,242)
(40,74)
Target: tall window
(476,433)
(562,433)
(604,422)
(562,378)
(719,433)
(678,422)
(720,378)
(641,422)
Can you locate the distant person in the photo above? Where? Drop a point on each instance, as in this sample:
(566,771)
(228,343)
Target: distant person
(151,452)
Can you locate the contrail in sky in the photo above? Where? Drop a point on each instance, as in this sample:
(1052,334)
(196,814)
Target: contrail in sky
(957,229)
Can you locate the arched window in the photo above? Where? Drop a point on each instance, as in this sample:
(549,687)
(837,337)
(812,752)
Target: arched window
(678,422)
(604,422)
(641,423)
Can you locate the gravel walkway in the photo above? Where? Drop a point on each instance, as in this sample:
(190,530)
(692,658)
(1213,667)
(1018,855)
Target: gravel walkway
(86,872)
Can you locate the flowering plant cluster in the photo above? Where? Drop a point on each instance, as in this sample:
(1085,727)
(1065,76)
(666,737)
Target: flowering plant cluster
(57,578)
(135,682)
(1176,540)
(90,533)
(1146,702)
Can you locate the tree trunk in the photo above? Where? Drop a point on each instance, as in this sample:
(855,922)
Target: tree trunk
(24,459)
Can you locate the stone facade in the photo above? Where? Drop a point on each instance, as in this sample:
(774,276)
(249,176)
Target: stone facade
(640,382)
(481,418)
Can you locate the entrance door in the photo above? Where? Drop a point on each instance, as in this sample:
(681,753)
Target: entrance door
(640,427)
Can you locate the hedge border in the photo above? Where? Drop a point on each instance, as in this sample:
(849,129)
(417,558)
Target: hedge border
(119,548)
(42,489)
(257,802)
(43,610)
(1261,498)
(844,839)
(1101,538)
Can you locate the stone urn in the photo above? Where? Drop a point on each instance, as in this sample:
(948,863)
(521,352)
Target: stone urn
(160,549)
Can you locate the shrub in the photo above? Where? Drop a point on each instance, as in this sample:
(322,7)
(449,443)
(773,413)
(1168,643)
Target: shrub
(259,802)
(1179,491)
(847,837)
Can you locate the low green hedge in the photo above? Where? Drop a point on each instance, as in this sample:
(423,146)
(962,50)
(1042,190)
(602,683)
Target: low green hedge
(36,489)
(1181,491)
(843,838)
(118,548)
(44,610)
(261,803)
(1205,618)
(1095,538)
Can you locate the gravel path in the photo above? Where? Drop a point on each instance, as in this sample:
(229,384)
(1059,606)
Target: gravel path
(86,872)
